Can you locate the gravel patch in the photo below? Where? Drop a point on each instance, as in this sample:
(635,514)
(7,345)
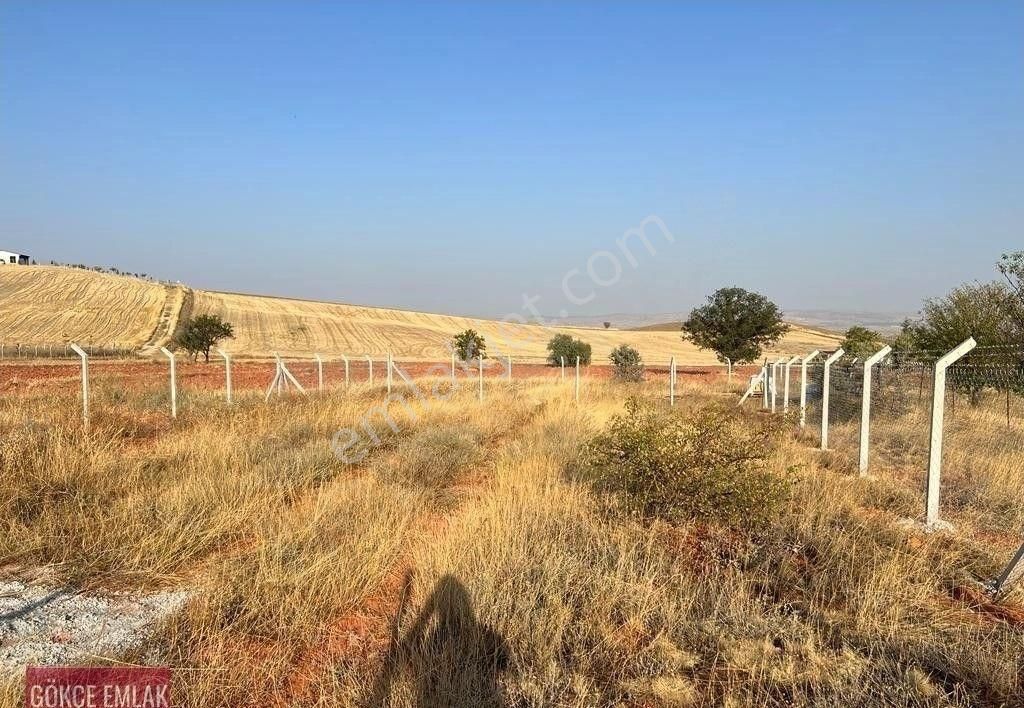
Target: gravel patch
(42,625)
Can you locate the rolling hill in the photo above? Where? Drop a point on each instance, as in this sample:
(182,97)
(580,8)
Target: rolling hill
(42,304)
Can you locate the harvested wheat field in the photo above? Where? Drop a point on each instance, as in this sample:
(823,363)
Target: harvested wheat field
(297,327)
(442,551)
(51,304)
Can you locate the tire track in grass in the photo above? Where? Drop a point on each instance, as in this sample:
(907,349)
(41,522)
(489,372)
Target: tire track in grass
(363,636)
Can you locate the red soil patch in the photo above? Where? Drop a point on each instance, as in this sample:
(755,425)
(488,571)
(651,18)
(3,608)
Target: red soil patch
(256,375)
(977,600)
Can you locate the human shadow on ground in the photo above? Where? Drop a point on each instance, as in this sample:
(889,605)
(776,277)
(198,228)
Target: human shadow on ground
(447,658)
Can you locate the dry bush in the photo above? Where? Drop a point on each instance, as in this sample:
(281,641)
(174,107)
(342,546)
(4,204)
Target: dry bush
(706,465)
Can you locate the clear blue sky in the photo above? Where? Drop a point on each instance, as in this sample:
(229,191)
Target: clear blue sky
(452,157)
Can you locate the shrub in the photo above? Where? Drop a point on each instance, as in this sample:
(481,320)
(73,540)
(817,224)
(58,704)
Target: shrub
(469,345)
(708,465)
(628,366)
(564,345)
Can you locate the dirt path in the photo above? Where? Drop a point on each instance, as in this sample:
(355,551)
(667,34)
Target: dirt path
(365,637)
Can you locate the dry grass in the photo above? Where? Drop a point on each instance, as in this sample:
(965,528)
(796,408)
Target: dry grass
(463,562)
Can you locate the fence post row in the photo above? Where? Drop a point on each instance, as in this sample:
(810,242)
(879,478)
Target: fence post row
(865,407)
(931,517)
(174,383)
(227,372)
(833,358)
(85,383)
(803,386)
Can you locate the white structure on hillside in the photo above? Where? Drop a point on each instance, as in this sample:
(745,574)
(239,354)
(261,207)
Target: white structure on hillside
(11,258)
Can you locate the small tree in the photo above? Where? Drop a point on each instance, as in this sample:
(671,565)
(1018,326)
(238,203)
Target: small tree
(861,342)
(203,332)
(607,325)
(627,363)
(469,345)
(735,324)
(563,345)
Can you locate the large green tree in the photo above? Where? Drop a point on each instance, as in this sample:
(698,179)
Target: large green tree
(201,333)
(735,324)
(469,345)
(563,345)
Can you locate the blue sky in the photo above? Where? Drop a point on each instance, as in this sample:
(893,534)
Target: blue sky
(454,157)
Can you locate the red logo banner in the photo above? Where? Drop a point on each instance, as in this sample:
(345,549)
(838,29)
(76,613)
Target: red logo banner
(93,687)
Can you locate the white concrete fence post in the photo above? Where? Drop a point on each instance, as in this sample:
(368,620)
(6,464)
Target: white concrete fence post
(728,370)
(227,372)
(764,385)
(833,358)
(480,376)
(931,516)
(319,373)
(174,381)
(803,386)
(345,359)
(509,359)
(369,363)
(785,390)
(388,377)
(85,383)
(577,379)
(865,407)
(563,367)
(776,367)
(672,381)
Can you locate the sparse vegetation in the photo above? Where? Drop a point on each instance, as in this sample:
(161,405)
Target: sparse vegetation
(564,345)
(736,325)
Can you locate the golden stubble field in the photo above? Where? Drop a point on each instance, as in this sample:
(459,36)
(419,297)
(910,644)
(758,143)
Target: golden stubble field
(297,327)
(49,305)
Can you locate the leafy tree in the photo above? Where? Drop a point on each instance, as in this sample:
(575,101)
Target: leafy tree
(861,342)
(607,325)
(985,311)
(627,363)
(203,332)
(469,345)
(735,324)
(564,345)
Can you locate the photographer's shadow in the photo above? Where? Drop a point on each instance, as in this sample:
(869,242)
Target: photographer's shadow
(446,658)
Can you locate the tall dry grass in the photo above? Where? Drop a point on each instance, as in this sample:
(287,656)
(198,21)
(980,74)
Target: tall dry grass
(465,562)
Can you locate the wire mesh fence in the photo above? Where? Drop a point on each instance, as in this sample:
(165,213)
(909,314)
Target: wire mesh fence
(62,350)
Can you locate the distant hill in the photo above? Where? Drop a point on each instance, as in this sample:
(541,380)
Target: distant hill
(44,304)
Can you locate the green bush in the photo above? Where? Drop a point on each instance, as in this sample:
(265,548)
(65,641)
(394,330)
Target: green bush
(563,345)
(627,363)
(469,345)
(707,465)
